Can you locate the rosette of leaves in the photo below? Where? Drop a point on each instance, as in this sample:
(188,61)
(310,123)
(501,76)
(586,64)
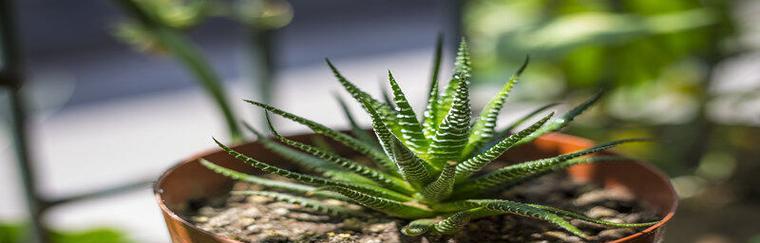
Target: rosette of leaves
(429,170)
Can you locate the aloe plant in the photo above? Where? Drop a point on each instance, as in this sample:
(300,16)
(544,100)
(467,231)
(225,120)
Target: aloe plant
(428,170)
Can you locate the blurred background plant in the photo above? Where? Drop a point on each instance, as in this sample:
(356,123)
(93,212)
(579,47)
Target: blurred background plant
(14,233)
(153,27)
(670,69)
(161,27)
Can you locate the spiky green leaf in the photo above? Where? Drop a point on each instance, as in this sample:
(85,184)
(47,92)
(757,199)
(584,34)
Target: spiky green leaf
(441,188)
(415,170)
(383,133)
(462,73)
(377,176)
(513,173)
(548,168)
(271,184)
(527,170)
(564,120)
(411,130)
(347,140)
(491,207)
(320,143)
(454,223)
(356,129)
(419,227)
(240,176)
(500,135)
(522,209)
(451,136)
(484,128)
(429,124)
(385,110)
(311,180)
(574,215)
(304,161)
(525,118)
(386,96)
(309,162)
(477,162)
(385,205)
(307,179)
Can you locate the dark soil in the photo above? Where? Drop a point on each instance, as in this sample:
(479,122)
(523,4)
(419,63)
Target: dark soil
(259,219)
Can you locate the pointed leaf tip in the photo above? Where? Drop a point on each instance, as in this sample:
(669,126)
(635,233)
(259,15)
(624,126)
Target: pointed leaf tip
(484,128)
(442,187)
(523,66)
(565,119)
(410,133)
(477,162)
(318,128)
(270,125)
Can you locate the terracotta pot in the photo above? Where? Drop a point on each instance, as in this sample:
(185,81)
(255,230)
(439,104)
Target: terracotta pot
(181,187)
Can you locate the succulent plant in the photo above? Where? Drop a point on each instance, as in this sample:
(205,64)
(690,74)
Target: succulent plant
(428,171)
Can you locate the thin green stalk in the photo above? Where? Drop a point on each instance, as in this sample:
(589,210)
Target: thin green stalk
(184,51)
(190,56)
(261,60)
(11,77)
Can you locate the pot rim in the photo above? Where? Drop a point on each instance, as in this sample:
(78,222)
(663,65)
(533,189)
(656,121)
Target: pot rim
(157,191)
(660,175)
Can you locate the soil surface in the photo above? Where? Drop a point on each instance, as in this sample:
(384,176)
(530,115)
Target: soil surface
(260,219)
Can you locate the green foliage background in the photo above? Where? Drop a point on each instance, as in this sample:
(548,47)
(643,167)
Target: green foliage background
(13,233)
(655,58)
(658,61)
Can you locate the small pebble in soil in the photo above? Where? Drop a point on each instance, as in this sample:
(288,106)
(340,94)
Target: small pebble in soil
(253,229)
(600,212)
(560,235)
(612,233)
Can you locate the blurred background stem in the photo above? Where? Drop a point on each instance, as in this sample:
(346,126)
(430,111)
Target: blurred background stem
(10,78)
(262,19)
(261,61)
(190,56)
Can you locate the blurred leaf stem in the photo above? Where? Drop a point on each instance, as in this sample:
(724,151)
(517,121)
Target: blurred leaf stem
(261,19)
(183,50)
